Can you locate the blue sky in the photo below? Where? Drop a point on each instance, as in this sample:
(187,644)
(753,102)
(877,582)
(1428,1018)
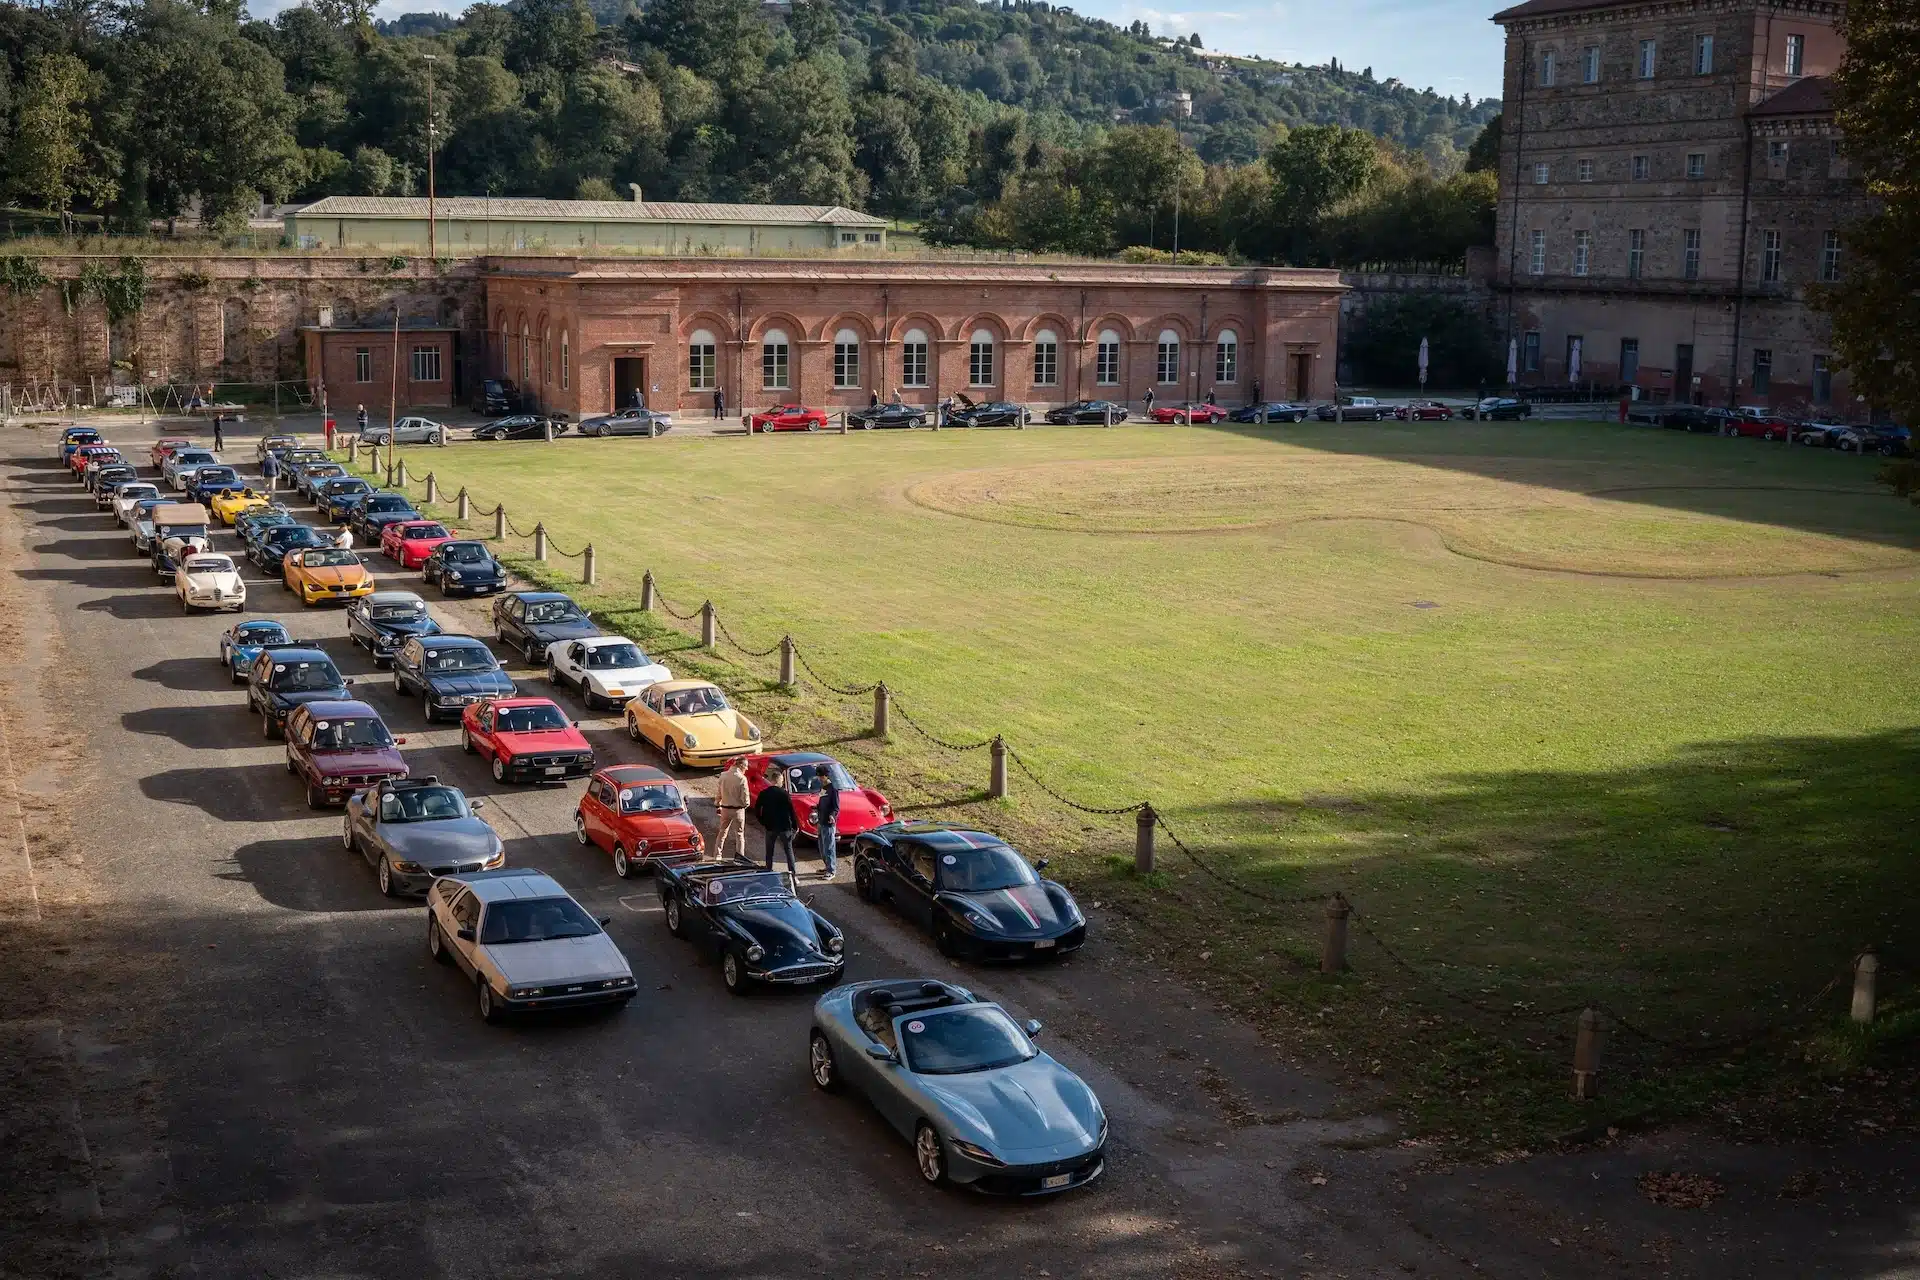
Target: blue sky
(1447,45)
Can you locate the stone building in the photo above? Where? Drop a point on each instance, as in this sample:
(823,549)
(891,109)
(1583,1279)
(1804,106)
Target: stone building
(1671,184)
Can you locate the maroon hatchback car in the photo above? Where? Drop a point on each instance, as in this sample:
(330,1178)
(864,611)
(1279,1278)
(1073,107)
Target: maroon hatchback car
(338,748)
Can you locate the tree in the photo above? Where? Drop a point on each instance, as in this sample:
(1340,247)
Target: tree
(551,34)
(49,159)
(717,39)
(1314,168)
(1484,154)
(813,26)
(1137,171)
(795,139)
(1876,307)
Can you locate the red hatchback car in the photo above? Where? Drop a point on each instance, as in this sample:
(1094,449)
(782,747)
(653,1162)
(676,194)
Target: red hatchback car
(788,417)
(527,739)
(1189,413)
(861,808)
(636,813)
(408,543)
(337,748)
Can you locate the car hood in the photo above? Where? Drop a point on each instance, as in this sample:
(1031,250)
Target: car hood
(1026,911)
(335,575)
(491,569)
(360,760)
(784,927)
(1033,1106)
(225,579)
(858,812)
(628,678)
(571,630)
(295,697)
(448,840)
(527,964)
(543,743)
(411,627)
(713,728)
(470,682)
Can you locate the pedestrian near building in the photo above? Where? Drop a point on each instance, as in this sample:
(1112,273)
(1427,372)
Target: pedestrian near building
(639,398)
(360,419)
(1210,399)
(873,398)
(1257,397)
(730,803)
(219,436)
(826,819)
(774,809)
(1149,399)
(719,404)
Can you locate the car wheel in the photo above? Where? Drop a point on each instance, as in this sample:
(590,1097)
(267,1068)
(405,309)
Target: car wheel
(532,652)
(399,689)
(499,769)
(621,867)
(930,1155)
(813,426)
(426,708)
(675,925)
(943,939)
(672,750)
(1886,451)
(734,973)
(346,834)
(580,835)
(499,633)
(863,883)
(821,1066)
(316,797)
(489,1007)
(633,728)
(385,876)
(290,768)
(553,675)
(438,437)
(436,941)
(466,741)
(268,729)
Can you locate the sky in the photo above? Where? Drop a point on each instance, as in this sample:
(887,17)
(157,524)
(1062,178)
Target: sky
(1446,45)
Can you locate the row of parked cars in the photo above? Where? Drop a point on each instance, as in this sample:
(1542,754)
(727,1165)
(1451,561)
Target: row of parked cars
(956,1075)
(1885,439)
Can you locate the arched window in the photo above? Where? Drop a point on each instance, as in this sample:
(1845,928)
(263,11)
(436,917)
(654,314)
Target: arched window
(546,355)
(1168,368)
(980,359)
(773,360)
(566,362)
(846,358)
(703,363)
(1226,356)
(1106,359)
(913,358)
(526,354)
(1046,358)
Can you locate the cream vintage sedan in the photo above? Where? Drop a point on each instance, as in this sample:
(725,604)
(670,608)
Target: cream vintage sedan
(209,581)
(692,723)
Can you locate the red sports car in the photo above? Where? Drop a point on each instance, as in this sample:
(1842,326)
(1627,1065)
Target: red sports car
(337,748)
(1423,411)
(164,446)
(1189,413)
(861,808)
(636,813)
(527,739)
(788,417)
(1750,421)
(410,542)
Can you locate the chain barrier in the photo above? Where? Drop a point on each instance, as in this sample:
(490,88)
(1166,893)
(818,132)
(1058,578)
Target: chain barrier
(845,691)
(938,742)
(553,549)
(1229,881)
(1034,778)
(517,531)
(751,653)
(671,611)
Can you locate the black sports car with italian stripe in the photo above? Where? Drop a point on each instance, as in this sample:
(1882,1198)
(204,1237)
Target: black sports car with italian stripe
(972,891)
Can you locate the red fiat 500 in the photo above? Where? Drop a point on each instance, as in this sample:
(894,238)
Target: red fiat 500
(788,417)
(527,739)
(409,542)
(861,808)
(338,748)
(636,813)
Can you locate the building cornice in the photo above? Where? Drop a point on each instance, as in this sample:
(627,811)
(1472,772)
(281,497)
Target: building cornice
(909,272)
(1653,10)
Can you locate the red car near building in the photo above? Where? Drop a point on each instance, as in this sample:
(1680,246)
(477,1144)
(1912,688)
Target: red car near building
(1189,413)
(526,739)
(408,543)
(861,808)
(787,417)
(636,813)
(1752,421)
(337,748)
(164,446)
(1423,411)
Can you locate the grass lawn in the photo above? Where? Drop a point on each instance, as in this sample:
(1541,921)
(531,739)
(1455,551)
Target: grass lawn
(1570,712)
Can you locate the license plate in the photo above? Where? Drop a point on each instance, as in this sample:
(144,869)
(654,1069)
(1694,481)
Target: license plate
(1043,944)
(1057,1180)
(555,770)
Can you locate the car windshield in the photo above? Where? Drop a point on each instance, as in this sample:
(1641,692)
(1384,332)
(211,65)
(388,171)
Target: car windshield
(209,564)
(615,656)
(346,484)
(292,537)
(961,1040)
(260,633)
(406,611)
(529,719)
(329,557)
(656,797)
(695,702)
(464,553)
(423,804)
(339,735)
(752,884)
(461,658)
(295,677)
(385,502)
(805,780)
(535,920)
(545,611)
(974,870)
(425,531)
(324,470)
(193,455)
(142,490)
(217,475)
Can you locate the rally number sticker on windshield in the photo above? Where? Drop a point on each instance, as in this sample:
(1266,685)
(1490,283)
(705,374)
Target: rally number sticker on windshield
(916,1025)
(949,859)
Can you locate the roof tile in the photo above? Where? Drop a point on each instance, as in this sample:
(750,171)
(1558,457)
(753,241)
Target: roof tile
(512,208)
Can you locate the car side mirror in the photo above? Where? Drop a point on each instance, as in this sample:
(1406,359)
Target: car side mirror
(465,932)
(1040,865)
(348,682)
(399,742)
(604,920)
(475,804)
(880,1053)
(1032,1025)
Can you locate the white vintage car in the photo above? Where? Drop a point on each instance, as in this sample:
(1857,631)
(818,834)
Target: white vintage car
(607,670)
(127,497)
(208,581)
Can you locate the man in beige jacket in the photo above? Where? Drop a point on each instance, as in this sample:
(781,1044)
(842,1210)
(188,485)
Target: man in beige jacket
(731,803)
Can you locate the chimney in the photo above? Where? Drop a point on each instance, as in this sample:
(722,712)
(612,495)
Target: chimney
(635,188)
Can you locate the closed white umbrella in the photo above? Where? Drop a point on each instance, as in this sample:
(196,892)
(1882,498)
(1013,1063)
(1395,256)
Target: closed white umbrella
(1513,361)
(1423,364)
(1573,361)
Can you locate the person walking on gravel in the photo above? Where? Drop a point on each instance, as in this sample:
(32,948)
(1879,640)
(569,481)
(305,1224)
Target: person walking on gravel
(219,436)
(774,809)
(730,802)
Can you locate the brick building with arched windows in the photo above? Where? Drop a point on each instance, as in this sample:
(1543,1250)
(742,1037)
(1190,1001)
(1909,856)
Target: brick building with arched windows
(579,335)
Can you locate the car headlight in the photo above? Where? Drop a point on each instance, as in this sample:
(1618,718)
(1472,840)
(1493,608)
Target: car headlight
(753,732)
(453,575)
(329,782)
(409,868)
(523,993)
(978,921)
(973,1151)
(692,741)
(756,953)
(835,944)
(499,859)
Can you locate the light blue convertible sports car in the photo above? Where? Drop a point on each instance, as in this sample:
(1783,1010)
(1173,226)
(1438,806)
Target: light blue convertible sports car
(962,1080)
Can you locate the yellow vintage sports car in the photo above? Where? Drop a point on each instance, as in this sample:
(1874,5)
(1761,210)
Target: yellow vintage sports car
(325,573)
(691,722)
(230,504)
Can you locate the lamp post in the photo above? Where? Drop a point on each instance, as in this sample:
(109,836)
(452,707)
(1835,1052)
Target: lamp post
(431,58)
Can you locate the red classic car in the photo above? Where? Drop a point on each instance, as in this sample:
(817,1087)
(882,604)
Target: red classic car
(636,813)
(788,417)
(527,739)
(86,453)
(339,747)
(1189,413)
(1423,411)
(861,808)
(164,446)
(1752,421)
(409,542)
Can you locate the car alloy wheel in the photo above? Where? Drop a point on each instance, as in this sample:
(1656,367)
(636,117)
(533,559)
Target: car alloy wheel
(580,835)
(316,797)
(426,707)
(532,652)
(399,689)
(436,941)
(621,867)
(290,768)
(267,726)
(929,1154)
(673,753)
(346,834)
(386,877)
(553,675)
(863,883)
(674,924)
(733,974)
(466,740)
(499,769)
(820,1064)
(489,1007)
(633,728)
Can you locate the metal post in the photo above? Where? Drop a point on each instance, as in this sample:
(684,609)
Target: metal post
(588,574)
(1587,1043)
(882,708)
(707,628)
(646,592)
(433,493)
(463,504)
(539,541)
(1866,977)
(997,777)
(786,662)
(1144,824)
(1333,946)
(499,522)
(1107,413)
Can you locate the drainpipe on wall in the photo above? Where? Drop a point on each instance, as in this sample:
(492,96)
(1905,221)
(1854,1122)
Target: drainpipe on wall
(1519,136)
(1740,289)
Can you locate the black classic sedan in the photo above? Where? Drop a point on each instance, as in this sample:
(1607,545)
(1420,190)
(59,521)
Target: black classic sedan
(271,548)
(753,920)
(971,890)
(531,620)
(1505,409)
(464,567)
(447,673)
(381,622)
(994,413)
(905,416)
(1275,411)
(523,426)
(1104,412)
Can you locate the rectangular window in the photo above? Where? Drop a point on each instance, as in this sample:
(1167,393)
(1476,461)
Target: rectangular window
(1168,367)
(1546,68)
(1770,257)
(1696,164)
(1703,55)
(1648,48)
(1582,245)
(1530,352)
(846,364)
(1690,253)
(1590,65)
(1777,158)
(1575,343)
(980,365)
(1629,359)
(1642,166)
(1585,170)
(1796,55)
(870,237)
(1541,172)
(1537,258)
(702,365)
(1830,257)
(773,366)
(1822,381)
(913,364)
(362,364)
(1046,364)
(1762,370)
(849,237)
(426,364)
(1106,364)
(1636,254)
(1226,361)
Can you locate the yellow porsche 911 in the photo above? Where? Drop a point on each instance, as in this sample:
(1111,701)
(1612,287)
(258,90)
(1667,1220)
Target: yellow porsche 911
(692,723)
(230,504)
(325,573)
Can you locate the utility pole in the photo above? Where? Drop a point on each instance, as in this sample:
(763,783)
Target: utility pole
(430,141)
